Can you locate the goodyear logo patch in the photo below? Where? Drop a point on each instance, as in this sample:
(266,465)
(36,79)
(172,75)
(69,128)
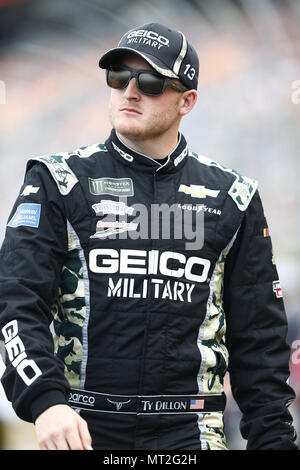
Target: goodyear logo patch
(27,215)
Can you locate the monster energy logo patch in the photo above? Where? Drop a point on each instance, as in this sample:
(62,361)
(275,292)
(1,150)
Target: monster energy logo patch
(111,186)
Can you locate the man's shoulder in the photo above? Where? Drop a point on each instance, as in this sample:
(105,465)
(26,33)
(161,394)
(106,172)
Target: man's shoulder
(64,165)
(241,188)
(81,152)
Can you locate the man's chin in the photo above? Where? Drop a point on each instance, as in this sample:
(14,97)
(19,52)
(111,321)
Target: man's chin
(130,132)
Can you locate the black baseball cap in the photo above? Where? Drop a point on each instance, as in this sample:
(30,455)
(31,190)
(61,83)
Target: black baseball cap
(166,50)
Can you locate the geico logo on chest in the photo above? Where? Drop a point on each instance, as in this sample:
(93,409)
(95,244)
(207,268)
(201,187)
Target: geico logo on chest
(148,262)
(26,368)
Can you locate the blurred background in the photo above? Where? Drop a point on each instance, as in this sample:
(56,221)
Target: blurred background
(53,98)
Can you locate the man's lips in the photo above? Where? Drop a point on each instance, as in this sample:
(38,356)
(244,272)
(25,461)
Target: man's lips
(130,110)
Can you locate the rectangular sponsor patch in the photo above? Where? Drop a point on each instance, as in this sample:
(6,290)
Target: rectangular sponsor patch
(277,289)
(111,186)
(107,228)
(112,207)
(27,215)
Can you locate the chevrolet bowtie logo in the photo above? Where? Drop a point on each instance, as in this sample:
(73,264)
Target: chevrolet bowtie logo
(118,404)
(199,191)
(29,189)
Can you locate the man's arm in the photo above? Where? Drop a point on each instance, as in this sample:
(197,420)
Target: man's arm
(31,258)
(256,336)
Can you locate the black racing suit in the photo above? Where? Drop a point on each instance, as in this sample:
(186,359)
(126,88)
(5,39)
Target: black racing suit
(155,280)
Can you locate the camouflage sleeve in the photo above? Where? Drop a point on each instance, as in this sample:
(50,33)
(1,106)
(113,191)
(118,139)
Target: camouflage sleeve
(30,268)
(256,336)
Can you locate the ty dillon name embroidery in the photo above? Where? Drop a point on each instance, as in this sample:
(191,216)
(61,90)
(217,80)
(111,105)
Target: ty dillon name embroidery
(164,405)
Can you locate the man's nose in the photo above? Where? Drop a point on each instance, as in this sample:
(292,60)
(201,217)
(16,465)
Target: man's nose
(132,91)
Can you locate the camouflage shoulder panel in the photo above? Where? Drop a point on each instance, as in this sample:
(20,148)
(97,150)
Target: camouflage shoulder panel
(89,150)
(60,170)
(57,164)
(242,189)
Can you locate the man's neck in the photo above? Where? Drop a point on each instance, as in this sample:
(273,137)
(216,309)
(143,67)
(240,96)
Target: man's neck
(154,148)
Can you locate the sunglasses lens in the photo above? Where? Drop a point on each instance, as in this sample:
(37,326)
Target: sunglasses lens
(150,84)
(118,77)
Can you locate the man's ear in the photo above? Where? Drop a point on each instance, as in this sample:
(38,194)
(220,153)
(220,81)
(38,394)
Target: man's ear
(188,101)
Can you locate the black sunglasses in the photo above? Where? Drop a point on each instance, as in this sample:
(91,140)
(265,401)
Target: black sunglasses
(147,82)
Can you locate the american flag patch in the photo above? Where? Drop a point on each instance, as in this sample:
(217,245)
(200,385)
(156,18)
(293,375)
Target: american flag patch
(196,404)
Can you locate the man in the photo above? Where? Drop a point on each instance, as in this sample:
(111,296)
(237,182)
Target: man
(140,316)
